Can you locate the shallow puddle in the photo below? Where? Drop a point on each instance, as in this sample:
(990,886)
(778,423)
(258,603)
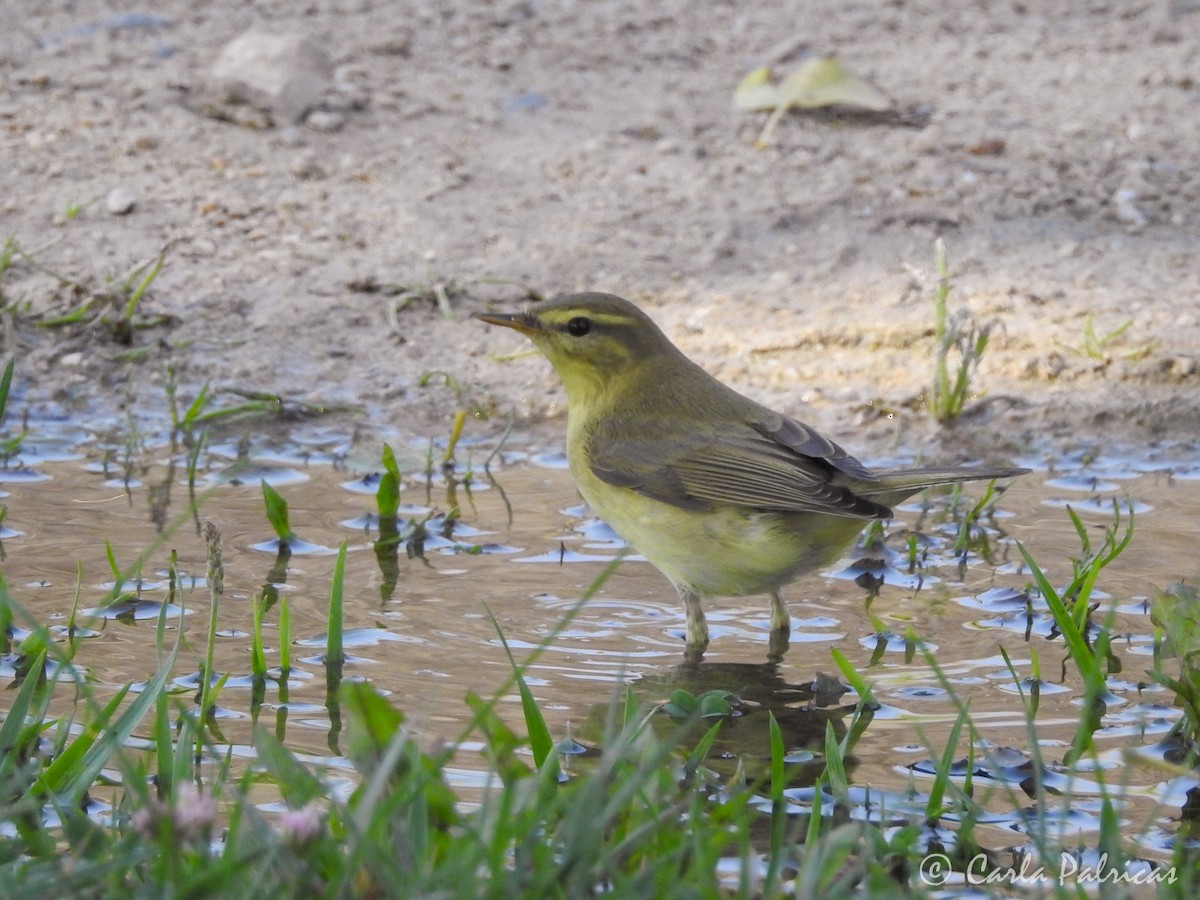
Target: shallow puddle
(522,551)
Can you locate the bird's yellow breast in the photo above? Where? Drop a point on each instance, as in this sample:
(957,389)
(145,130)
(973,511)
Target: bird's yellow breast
(725,550)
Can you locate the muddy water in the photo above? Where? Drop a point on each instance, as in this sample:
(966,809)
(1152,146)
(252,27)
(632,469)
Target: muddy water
(525,549)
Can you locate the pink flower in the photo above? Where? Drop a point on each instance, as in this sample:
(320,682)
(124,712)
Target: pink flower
(193,811)
(299,826)
(145,820)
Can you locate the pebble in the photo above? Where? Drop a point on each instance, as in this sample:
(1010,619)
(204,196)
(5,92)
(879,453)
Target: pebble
(284,75)
(291,136)
(1182,367)
(307,166)
(1125,200)
(325,121)
(927,140)
(120,201)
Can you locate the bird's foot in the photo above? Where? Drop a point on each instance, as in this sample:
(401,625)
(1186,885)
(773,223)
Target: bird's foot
(781,629)
(694,652)
(777,644)
(697,626)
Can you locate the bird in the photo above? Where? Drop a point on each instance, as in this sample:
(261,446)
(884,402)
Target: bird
(723,495)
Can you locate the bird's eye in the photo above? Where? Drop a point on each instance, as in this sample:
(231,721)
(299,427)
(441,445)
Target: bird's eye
(579,326)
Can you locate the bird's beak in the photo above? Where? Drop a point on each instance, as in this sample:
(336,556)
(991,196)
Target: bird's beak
(522,321)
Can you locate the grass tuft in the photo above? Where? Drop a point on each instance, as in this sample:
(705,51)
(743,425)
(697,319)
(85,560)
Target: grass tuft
(959,345)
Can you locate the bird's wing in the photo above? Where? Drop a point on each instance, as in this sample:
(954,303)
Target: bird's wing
(771,464)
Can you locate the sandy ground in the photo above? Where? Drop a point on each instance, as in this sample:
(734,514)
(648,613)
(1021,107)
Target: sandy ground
(493,151)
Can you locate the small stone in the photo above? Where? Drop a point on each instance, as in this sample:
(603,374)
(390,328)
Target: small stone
(291,136)
(71,360)
(120,201)
(325,121)
(306,166)
(397,43)
(1182,367)
(928,140)
(1125,201)
(283,75)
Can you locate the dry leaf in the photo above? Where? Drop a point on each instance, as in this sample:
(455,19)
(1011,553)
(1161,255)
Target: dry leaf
(819,82)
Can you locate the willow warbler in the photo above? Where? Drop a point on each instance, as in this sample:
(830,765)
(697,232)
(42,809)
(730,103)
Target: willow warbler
(723,495)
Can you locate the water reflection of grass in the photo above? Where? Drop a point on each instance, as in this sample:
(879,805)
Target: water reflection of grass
(715,781)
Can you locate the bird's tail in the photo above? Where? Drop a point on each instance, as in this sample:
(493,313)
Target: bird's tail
(896,485)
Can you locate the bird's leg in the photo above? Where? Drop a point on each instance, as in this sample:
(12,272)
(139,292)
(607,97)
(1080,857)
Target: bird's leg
(697,628)
(781,628)
(780,619)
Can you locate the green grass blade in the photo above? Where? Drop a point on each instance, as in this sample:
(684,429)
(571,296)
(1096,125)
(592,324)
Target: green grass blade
(72,774)
(58,773)
(778,815)
(540,741)
(277,513)
(192,414)
(456,430)
(118,579)
(285,635)
(937,792)
(387,495)
(835,766)
(18,709)
(136,296)
(852,676)
(334,650)
(258,659)
(162,745)
(1077,647)
(6,385)
(778,773)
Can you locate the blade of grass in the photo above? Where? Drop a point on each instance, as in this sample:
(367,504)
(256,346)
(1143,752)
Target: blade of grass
(835,767)
(1077,646)
(258,659)
(285,636)
(72,773)
(18,710)
(775,858)
(540,741)
(853,678)
(277,514)
(387,495)
(334,650)
(937,791)
(456,430)
(216,588)
(136,296)
(6,385)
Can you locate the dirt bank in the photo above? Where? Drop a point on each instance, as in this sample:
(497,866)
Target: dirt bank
(493,150)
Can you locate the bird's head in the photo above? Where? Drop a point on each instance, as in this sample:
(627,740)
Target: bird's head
(594,341)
